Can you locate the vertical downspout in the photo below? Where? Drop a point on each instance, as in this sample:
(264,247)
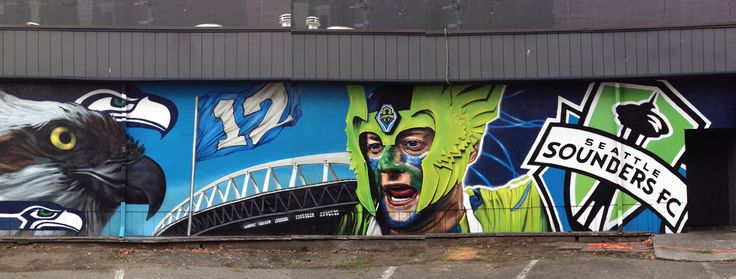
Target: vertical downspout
(447,60)
(124,169)
(619,202)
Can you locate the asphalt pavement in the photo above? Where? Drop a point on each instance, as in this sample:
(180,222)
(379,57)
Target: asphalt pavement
(699,246)
(590,266)
(484,257)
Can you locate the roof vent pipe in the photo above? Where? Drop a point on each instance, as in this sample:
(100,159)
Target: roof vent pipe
(312,22)
(285,20)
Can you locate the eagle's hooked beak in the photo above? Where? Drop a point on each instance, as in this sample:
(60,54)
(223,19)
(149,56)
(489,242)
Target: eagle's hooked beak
(146,184)
(137,181)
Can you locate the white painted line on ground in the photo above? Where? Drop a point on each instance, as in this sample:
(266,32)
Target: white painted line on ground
(119,274)
(709,270)
(388,272)
(526,269)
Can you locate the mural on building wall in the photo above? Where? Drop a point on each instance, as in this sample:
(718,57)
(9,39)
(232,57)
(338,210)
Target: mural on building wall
(247,119)
(73,157)
(133,107)
(39,216)
(409,149)
(286,158)
(618,153)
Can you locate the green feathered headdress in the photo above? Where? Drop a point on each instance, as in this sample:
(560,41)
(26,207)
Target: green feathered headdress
(457,114)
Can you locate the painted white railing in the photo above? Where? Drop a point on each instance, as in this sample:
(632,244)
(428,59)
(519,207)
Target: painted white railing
(234,186)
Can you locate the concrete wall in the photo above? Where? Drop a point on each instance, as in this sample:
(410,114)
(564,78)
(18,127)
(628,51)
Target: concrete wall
(279,158)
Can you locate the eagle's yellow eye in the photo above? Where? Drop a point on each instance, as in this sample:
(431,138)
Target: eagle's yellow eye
(63,139)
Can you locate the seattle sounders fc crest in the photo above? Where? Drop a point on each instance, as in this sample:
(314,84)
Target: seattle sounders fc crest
(616,160)
(387,118)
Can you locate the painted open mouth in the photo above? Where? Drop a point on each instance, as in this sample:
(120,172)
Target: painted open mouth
(400,195)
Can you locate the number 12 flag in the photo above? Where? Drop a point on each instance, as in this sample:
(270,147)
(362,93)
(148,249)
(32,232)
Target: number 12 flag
(236,121)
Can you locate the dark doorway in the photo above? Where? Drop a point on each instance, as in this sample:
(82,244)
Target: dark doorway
(711,177)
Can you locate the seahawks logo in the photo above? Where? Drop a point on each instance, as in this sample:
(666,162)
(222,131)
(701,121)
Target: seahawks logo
(134,108)
(19,215)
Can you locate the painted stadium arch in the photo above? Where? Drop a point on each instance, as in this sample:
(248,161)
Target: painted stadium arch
(278,158)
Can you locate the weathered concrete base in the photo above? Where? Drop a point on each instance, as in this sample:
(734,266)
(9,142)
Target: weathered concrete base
(571,246)
(325,242)
(701,246)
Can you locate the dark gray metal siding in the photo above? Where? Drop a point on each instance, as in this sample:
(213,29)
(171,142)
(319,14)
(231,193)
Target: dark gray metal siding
(517,56)
(144,55)
(273,55)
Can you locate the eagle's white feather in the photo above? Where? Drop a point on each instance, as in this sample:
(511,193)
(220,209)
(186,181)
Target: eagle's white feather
(16,113)
(45,182)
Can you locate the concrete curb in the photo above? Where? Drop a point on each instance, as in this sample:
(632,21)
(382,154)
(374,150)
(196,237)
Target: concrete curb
(699,246)
(578,236)
(319,242)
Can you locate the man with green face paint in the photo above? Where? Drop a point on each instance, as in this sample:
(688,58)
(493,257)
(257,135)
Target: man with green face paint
(409,148)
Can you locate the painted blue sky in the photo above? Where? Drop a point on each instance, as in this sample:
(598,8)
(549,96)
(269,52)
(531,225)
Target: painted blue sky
(319,130)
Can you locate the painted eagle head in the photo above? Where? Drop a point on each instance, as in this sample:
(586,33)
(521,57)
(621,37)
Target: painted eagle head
(75,157)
